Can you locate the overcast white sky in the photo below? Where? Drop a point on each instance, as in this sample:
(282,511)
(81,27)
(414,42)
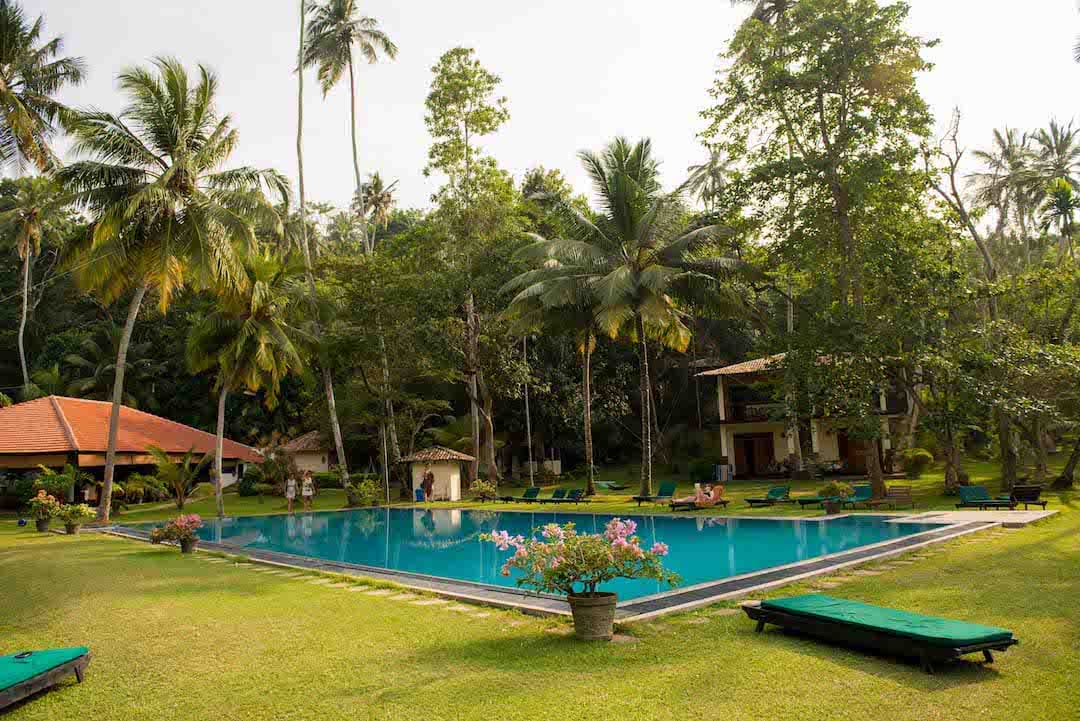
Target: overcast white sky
(576,72)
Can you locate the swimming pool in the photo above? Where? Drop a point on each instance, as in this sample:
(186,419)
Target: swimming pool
(445,543)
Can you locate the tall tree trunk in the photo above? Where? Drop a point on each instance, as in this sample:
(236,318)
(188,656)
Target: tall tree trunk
(646,412)
(873,469)
(528,414)
(471,365)
(1039,446)
(219,449)
(328,379)
(1010,461)
(105,502)
(22,323)
(395,447)
(489,441)
(368,242)
(1065,480)
(586,382)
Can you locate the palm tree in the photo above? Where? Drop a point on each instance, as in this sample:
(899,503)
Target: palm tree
(336,29)
(180,475)
(1057,155)
(1002,183)
(377,198)
(708,179)
(94,365)
(328,376)
(35,213)
(637,258)
(31,72)
(163,213)
(249,339)
(1059,209)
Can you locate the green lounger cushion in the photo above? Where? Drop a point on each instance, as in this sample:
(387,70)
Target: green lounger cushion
(931,630)
(17,670)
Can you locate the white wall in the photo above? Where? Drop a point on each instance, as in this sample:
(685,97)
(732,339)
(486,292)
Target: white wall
(447,479)
(314,461)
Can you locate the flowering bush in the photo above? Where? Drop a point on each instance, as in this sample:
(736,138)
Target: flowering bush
(181,528)
(483,490)
(564,561)
(76,513)
(43,506)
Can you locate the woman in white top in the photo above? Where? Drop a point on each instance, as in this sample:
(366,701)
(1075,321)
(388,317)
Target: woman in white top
(290,491)
(307,490)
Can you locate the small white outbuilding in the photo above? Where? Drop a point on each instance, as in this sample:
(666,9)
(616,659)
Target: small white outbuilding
(444,465)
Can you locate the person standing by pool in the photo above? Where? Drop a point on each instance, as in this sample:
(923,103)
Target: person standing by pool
(429,484)
(290,491)
(307,490)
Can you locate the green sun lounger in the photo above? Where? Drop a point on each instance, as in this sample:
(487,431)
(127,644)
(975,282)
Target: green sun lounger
(577,496)
(863,494)
(24,674)
(529,496)
(611,485)
(929,639)
(776,494)
(557,496)
(977,497)
(805,501)
(663,495)
(695,506)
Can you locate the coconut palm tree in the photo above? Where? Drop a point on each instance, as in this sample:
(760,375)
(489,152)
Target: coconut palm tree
(336,30)
(31,73)
(34,214)
(93,366)
(1004,182)
(707,180)
(638,260)
(1057,155)
(376,198)
(164,214)
(249,340)
(1059,209)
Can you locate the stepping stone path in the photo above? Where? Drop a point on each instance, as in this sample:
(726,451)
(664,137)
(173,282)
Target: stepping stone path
(826,584)
(866,572)
(403,597)
(460,609)
(697,620)
(481,614)
(902,563)
(340,585)
(724,612)
(378,592)
(320,582)
(623,638)
(357,589)
(430,602)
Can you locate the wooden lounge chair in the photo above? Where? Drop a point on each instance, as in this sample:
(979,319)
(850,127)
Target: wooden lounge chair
(863,494)
(977,497)
(24,674)
(909,635)
(557,496)
(1029,495)
(776,494)
(899,496)
(663,495)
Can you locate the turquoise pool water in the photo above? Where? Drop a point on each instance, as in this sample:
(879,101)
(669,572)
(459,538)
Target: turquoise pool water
(444,542)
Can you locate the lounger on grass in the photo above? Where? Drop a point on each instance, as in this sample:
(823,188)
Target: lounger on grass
(529,496)
(664,495)
(977,497)
(26,673)
(557,496)
(805,501)
(610,485)
(863,495)
(695,506)
(577,496)
(1029,495)
(776,494)
(929,639)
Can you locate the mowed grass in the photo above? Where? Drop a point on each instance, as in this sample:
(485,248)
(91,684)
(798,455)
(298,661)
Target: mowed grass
(187,637)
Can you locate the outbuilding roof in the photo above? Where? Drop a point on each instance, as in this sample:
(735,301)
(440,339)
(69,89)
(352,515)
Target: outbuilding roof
(751,366)
(436,453)
(308,443)
(56,424)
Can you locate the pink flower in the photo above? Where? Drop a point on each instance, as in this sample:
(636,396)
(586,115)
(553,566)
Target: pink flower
(660,549)
(554,530)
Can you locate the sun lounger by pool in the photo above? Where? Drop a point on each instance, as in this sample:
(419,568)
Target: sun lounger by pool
(863,494)
(929,639)
(977,497)
(695,506)
(1029,495)
(557,496)
(776,494)
(530,495)
(26,673)
(611,485)
(664,495)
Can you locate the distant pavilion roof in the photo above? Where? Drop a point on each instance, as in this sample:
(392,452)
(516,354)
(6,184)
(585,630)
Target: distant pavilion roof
(751,366)
(308,443)
(57,425)
(436,453)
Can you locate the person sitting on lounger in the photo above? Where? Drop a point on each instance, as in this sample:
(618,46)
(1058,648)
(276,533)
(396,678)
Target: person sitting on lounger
(709,496)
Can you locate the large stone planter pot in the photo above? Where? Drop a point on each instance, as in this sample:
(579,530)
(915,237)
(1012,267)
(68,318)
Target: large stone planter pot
(42,524)
(72,528)
(187,545)
(594,616)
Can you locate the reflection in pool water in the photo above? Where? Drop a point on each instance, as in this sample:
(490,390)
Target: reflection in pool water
(446,542)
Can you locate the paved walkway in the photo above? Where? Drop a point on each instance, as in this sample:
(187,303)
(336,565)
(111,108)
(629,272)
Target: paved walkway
(1008,519)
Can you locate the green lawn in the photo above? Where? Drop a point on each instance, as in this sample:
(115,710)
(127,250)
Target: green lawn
(183,637)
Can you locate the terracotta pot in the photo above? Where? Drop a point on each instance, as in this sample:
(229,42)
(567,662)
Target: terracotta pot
(187,545)
(42,524)
(72,528)
(594,616)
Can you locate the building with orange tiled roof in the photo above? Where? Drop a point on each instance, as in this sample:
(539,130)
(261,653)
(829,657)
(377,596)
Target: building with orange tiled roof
(56,430)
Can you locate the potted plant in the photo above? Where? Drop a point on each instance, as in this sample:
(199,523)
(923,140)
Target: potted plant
(182,530)
(43,507)
(566,562)
(74,515)
(834,493)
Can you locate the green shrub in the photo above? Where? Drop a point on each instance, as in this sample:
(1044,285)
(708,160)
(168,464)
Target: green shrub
(327,479)
(364,489)
(834,489)
(253,475)
(262,489)
(483,490)
(915,461)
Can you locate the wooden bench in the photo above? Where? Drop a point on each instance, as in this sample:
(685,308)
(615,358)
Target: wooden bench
(899,495)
